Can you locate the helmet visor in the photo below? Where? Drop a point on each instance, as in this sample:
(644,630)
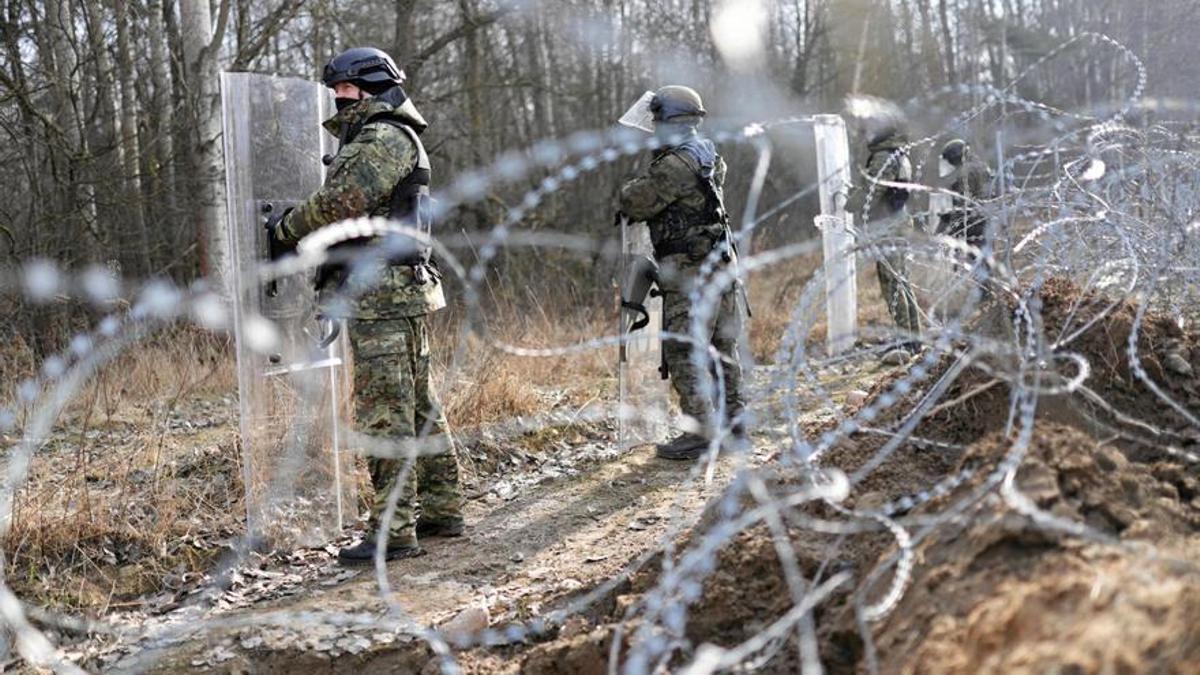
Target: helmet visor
(639,115)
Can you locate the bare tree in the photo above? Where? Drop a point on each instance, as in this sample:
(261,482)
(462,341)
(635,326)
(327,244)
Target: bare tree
(201,45)
(110,119)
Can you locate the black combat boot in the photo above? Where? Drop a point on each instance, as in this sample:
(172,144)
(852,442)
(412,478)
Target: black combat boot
(363,553)
(440,527)
(683,447)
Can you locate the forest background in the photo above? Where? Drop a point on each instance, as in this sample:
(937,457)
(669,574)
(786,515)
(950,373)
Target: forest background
(110,129)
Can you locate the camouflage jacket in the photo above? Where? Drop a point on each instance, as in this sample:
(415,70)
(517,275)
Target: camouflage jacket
(886,161)
(671,198)
(972,180)
(372,159)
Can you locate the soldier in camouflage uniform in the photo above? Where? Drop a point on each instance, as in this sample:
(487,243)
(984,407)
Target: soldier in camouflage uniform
(970,180)
(679,196)
(381,170)
(887,218)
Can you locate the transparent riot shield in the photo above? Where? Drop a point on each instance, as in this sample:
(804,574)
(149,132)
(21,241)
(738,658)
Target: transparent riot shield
(939,203)
(837,232)
(644,410)
(293,372)
(940,278)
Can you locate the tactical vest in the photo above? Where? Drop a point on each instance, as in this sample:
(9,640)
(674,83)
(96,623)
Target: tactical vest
(899,170)
(409,203)
(680,228)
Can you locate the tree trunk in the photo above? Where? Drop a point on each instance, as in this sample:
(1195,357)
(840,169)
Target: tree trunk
(474,82)
(948,43)
(131,152)
(70,150)
(104,129)
(163,115)
(403,34)
(207,159)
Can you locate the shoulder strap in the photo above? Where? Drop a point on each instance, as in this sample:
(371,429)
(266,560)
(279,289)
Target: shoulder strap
(410,200)
(422,158)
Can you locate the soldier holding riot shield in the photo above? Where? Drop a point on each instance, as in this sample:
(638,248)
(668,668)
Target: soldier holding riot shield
(679,197)
(381,169)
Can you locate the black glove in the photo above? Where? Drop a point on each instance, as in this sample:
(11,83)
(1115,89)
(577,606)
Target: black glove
(276,246)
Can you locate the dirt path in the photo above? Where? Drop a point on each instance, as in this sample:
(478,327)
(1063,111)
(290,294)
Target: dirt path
(518,558)
(540,535)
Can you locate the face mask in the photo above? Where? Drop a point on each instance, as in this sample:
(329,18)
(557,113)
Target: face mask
(670,132)
(343,103)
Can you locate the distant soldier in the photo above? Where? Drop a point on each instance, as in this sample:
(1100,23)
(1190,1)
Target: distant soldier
(679,196)
(381,169)
(889,223)
(970,180)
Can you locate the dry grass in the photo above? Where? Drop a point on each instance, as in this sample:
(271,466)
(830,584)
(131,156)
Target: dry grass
(138,479)
(166,368)
(140,482)
(492,386)
(127,512)
(775,292)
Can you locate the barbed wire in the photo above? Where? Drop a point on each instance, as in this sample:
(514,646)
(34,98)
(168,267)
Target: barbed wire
(1073,216)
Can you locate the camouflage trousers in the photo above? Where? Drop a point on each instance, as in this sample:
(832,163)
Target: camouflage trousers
(892,269)
(898,294)
(970,225)
(723,331)
(394,401)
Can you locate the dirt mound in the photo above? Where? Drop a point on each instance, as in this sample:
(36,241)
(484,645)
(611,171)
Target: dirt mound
(995,592)
(583,654)
(962,570)
(1113,399)
(1095,326)
(1002,594)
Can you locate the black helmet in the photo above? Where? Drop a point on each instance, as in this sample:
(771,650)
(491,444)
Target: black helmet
(674,101)
(954,151)
(368,68)
(890,133)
